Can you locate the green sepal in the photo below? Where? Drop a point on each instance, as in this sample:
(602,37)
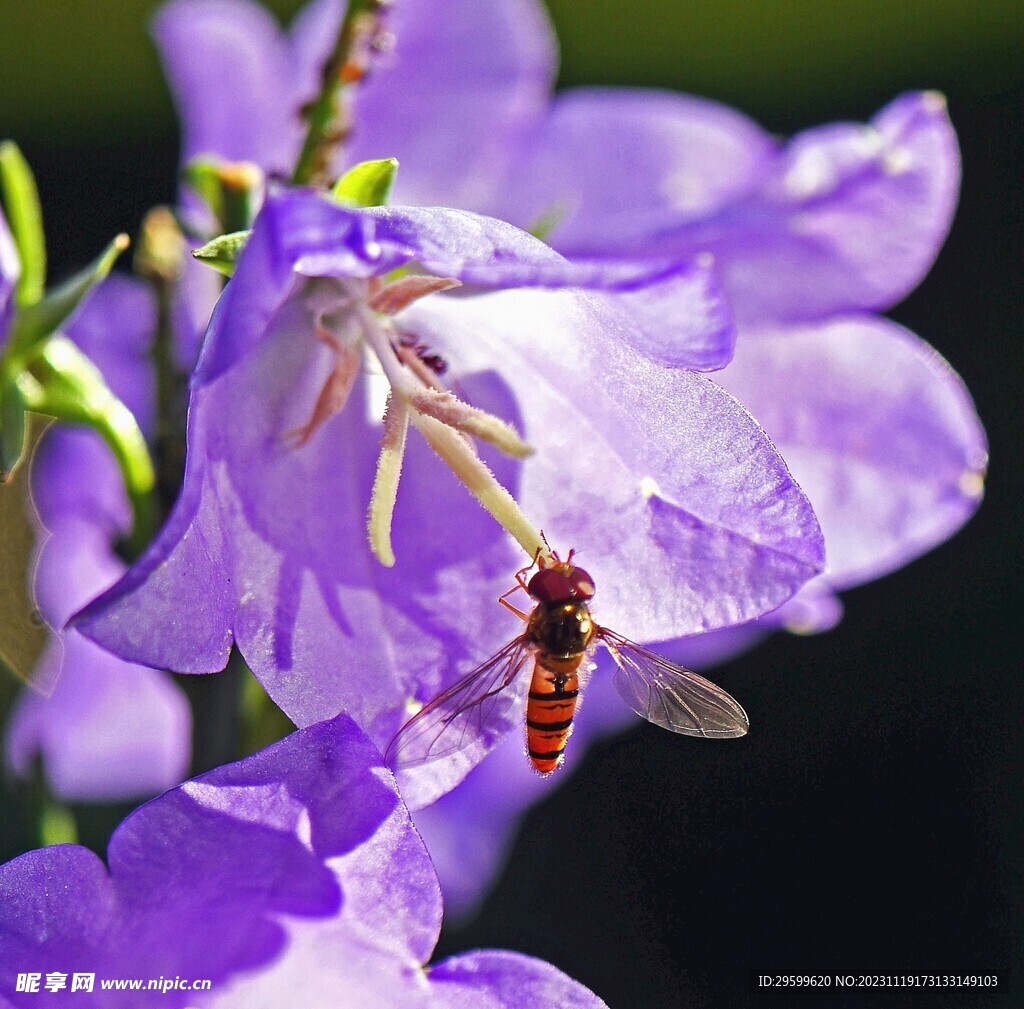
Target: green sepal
(232,190)
(12,428)
(21,201)
(38,321)
(367,184)
(222,253)
(60,381)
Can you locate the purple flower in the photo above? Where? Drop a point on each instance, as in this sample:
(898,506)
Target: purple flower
(292,877)
(683,511)
(103,728)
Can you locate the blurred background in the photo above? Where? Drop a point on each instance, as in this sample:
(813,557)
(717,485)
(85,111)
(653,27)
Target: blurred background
(872,821)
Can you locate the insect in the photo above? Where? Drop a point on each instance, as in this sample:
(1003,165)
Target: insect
(559,637)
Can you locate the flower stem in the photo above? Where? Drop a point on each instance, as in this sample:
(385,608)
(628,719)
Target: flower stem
(347,65)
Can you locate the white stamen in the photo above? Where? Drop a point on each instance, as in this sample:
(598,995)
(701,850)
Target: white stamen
(385,482)
(450,410)
(481,483)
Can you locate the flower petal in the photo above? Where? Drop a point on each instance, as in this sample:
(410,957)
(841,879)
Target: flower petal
(496,979)
(109,731)
(239,82)
(612,165)
(309,234)
(115,327)
(852,218)
(453,98)
(877,428)
(105,729)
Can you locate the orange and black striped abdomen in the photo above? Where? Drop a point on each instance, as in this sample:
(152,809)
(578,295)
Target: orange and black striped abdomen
(550,707)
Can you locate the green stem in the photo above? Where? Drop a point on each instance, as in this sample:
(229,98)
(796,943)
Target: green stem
(346,66)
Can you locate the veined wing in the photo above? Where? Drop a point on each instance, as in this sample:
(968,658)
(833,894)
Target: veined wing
(672,696)
(477,709)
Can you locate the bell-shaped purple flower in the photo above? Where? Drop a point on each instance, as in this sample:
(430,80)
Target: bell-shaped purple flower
(292,877)
(103,728)
(680,506)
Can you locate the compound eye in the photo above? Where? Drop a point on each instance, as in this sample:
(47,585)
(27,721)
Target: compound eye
(551,587)
(582,584)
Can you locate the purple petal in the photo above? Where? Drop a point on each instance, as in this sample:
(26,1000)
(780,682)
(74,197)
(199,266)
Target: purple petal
(683,321)
(307,844)
(454,97)
(115,327)
(10,272)
(613,164)
(877,428)
(104,728)
(852,218)
(506,981)
(304,232)
(109,730)
(452,243)
(239,82)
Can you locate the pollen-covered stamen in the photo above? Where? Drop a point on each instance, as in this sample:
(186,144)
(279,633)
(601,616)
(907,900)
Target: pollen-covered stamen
(447,408)
(480,482)
(385,482)
(336,389)
(447,424)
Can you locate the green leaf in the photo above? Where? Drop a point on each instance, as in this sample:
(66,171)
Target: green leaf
(12,429)
(60,381)
(21,200)
(367,184)
(222,253)
(40,320)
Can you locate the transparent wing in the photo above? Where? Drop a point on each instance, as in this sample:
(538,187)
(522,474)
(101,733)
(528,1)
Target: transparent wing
(671,696)
(476,710)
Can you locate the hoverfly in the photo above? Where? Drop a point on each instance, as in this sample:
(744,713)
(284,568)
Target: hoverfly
(560,636)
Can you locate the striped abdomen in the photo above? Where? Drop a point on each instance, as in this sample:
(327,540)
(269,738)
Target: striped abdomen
(550,707)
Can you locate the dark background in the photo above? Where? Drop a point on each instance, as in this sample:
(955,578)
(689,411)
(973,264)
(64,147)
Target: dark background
(872,821)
